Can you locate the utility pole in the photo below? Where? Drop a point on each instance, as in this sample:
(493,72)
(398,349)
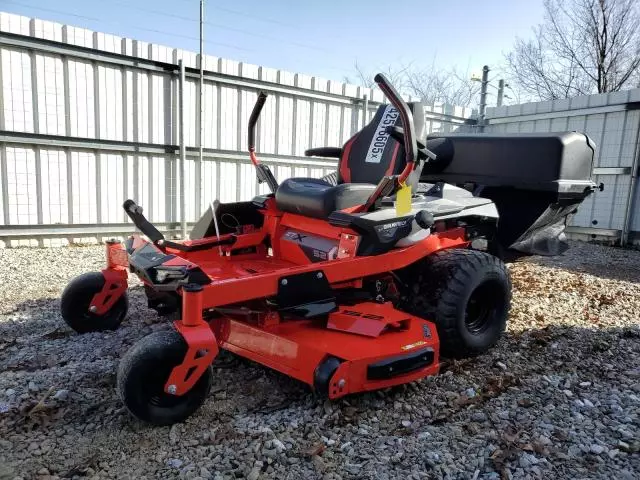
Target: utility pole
(483,94)
(183,153)
(500,92)
(200,112)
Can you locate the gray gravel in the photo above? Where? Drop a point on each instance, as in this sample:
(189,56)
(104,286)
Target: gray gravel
(559,397)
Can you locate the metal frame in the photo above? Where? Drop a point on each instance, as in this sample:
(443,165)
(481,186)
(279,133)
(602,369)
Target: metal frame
(12,40)
(602,232)
(9,232)
(41,45)
(527,117)
(132,148)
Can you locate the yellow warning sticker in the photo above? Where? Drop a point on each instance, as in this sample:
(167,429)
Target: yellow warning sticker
(413,345)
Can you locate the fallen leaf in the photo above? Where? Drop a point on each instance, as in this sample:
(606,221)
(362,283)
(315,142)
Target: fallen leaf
(510,437)
(315,449)
(40,405)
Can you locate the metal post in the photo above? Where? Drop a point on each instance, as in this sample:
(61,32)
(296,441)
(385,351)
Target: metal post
(483,95)
(201,111)
(624,238)
(500,92)
(366,111)
(183,152)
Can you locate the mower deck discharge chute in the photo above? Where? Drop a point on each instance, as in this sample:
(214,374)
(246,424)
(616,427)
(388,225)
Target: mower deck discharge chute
(350,283)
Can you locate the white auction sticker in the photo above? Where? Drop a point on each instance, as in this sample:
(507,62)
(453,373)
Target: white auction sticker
(380,138)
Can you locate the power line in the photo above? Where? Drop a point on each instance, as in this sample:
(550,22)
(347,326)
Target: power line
(169,34)
(83,17)
(255,17)
(260,18)
(223,27)
(152,30)
(267,37)
(156,12)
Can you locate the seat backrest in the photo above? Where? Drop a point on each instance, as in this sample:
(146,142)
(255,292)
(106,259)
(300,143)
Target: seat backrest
(372,153)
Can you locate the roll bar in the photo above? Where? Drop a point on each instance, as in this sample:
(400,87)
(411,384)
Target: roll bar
(253,119)
(263,172)
(410,143)
(390,183)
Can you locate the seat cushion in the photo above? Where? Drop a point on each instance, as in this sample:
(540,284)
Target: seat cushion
(313,197)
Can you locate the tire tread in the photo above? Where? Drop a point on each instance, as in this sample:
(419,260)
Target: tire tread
(439,281)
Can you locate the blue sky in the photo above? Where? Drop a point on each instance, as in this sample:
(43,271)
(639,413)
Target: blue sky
(319,38)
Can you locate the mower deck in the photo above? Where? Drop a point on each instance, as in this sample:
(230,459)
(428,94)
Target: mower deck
(370,358)
(291,316)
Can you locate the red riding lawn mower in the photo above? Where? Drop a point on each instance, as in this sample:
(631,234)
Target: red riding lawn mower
(351,283)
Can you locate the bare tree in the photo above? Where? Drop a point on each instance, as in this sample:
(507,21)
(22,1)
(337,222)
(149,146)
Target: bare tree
(396,76)
(432,85)
(582,47)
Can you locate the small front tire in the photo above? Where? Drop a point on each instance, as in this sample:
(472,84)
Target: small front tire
(143,373)
(76,300)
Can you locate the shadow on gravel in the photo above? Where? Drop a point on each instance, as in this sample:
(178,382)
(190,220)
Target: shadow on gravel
(532,369)
(539,350)
(609,353)
(42,315)
(525,372)
(34,337)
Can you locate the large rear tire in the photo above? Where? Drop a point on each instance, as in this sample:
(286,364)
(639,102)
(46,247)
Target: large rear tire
(466,293)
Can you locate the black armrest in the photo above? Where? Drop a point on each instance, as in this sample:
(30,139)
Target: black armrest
(423,152)
(331,152)
(398,133)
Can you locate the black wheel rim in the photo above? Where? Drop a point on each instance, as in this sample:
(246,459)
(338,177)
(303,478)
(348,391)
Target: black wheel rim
(482,307)
(93,318)
(156,396)
(153,390)
(158,402)
(83,302)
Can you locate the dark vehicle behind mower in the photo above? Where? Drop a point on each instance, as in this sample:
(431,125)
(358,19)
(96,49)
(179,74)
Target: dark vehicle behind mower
(351,283)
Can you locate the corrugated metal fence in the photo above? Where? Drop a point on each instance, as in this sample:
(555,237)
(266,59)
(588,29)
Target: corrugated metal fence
(89,119)
(613,122)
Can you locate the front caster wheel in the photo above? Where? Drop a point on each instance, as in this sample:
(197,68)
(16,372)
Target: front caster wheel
(142,375)
(76,299)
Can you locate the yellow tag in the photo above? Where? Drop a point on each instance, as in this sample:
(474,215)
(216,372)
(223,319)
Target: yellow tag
(403,200)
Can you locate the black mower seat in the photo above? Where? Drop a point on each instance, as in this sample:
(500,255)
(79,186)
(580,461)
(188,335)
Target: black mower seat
(364,160)
(314,197)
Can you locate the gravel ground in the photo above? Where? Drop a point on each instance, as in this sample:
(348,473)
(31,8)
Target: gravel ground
(559,397)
